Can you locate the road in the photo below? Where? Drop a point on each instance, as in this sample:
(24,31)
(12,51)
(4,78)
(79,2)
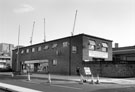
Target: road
(64,86)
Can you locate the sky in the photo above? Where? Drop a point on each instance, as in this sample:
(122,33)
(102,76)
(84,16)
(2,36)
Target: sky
(108,19)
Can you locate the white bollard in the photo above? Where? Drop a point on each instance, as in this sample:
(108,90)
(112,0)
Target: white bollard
(12,74)
(49,78)
(97,82)
(28,76)
(92,80)
(81,79)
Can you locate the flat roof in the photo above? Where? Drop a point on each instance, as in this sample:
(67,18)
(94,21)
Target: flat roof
(82,34)
(124,50)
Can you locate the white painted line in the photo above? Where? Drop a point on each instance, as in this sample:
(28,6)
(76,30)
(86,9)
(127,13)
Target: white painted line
(17,88)
(66,87)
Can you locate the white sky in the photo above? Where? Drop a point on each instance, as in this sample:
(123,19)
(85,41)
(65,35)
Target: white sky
(109,19)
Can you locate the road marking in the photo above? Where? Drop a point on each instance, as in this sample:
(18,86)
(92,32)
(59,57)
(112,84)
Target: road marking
(66,87)
(17,88)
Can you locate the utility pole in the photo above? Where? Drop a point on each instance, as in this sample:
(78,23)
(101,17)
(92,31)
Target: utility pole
(32,33)
(44,31)
(72,33)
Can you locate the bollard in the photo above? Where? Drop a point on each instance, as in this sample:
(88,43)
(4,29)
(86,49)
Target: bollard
(12,74)
(28,76)
(49,78)
(97,82)
(92,80)
(81,79)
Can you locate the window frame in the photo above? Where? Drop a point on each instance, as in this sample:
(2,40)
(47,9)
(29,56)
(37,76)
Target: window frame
(54,45)
(46,47)
(27,50)
(92,45)
(39,48)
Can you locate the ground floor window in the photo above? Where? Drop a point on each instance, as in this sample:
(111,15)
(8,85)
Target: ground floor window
(35,67)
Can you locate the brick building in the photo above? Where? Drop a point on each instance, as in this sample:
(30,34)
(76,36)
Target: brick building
(62,56)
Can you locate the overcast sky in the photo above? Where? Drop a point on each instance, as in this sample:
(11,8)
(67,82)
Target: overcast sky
(109,19)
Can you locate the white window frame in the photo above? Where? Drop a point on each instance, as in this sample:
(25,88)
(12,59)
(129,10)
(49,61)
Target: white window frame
(22,51)
(92,44)
(74,49)
(65,44)
(54,45)
(33,49)
(54,62)
(46,47)
(27,50)
(39,48)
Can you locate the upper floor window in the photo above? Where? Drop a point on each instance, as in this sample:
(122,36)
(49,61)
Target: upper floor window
(104,47)
(54,62)
(65,44)
(54,45)
(39,48)
(22,51)
(27,50)
(46,47)
(92,45)
(74,49)
(33,49)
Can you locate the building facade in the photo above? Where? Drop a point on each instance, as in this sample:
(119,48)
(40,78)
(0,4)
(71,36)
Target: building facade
(6,55)
(124,53)
(62,56)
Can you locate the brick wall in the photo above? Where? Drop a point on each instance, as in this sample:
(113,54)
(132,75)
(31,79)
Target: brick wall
(111,69)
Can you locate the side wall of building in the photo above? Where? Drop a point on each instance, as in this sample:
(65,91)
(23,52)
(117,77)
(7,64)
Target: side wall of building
(98,41)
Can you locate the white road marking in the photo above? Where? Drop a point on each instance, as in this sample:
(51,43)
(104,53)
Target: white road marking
(66,87)
(17,88)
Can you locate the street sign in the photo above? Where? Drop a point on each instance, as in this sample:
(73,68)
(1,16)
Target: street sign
(87,70)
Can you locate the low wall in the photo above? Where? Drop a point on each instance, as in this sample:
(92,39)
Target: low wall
(112,69)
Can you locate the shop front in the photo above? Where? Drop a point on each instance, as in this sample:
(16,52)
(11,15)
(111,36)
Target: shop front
(35,66)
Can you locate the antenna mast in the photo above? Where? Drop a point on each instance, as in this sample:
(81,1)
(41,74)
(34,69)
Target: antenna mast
(18,48)
(44,31)
(72,33)
(32,33)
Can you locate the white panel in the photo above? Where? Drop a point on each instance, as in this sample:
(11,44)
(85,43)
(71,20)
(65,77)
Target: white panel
(98,54)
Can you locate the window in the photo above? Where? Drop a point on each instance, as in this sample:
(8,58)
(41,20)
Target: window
(27,50)
(46,47)
(33,49)
(22,51)
(39,48)
(92,45)
(104,47)
(74,49)
(54,45)
(54,62)
(65,44)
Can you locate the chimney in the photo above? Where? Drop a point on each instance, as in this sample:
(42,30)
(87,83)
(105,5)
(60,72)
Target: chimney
(116,45)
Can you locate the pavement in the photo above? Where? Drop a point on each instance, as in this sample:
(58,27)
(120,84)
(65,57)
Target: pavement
(38,78)
(79,78)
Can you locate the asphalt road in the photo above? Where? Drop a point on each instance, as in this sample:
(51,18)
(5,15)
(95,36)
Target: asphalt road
(64,86)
